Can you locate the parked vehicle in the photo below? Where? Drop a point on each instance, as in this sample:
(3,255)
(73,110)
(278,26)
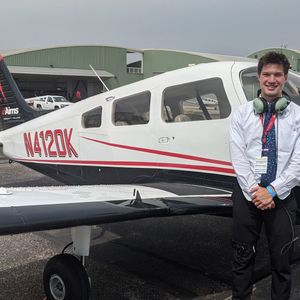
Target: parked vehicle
(48,102)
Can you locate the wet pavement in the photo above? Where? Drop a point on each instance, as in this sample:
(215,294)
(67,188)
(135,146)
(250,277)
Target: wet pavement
(184,257)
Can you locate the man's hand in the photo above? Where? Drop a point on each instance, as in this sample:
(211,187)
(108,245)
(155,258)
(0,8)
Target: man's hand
(261,198)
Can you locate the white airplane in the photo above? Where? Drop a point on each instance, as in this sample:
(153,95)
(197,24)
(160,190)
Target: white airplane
(210,102)
(148,149)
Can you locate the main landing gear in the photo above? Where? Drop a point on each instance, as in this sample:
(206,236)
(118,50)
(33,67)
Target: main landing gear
(65,277)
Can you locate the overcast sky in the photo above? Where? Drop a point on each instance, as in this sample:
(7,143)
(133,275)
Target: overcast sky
(234,27)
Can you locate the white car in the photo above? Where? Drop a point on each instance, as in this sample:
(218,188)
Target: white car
(48,102)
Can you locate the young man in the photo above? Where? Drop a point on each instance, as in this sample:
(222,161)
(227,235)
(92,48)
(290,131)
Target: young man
(265,153)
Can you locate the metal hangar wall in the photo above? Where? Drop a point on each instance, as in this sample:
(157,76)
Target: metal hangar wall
(292,55)
(66,71)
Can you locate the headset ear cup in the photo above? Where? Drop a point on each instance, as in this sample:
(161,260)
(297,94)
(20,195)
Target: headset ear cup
(258,106)
(281,104)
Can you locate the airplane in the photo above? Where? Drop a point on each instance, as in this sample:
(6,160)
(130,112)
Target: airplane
(210,102)
(152,148)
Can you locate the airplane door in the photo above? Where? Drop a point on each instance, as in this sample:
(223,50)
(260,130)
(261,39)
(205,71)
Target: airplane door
(119,138)
(131,134)
(194,124)
(92,130)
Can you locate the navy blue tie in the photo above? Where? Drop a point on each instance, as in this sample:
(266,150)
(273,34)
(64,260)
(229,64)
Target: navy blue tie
(269,149)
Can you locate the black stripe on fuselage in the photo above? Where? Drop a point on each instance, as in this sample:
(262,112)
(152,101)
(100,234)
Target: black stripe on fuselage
(77,175)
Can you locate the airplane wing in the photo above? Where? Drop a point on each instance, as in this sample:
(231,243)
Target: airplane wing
(44,208)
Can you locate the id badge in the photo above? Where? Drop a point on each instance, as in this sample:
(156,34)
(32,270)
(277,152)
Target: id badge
(261,165)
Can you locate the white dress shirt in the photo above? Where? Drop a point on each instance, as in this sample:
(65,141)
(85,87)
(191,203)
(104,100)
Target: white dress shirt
(246,145)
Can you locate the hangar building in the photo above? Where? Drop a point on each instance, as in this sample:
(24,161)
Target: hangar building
(66,71)
(292,55)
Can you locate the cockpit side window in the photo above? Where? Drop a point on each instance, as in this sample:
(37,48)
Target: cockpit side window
(92,118)
(250,83)
(132,110)
(195,101)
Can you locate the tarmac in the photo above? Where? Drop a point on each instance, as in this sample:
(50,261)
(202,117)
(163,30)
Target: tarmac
(184,257)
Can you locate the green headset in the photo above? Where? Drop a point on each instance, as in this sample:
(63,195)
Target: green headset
(260,105)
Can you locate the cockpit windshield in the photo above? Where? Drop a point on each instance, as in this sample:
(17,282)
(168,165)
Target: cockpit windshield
(250,83)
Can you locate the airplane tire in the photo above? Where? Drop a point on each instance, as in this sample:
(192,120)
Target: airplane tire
(65,278)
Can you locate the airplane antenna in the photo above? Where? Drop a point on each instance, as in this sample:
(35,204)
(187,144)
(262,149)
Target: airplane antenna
(99,78)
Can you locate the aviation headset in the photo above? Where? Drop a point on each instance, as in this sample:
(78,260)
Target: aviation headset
(260,105)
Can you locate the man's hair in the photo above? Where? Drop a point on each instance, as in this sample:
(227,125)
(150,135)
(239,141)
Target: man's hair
(273,58)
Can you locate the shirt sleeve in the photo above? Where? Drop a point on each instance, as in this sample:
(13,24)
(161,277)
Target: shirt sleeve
(290,177)
(240,162)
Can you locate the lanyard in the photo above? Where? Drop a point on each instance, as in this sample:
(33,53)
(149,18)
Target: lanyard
(268,128)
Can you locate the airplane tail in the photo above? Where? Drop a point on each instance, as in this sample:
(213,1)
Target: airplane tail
(13,108)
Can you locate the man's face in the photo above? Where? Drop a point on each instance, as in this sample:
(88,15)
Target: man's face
(271,80)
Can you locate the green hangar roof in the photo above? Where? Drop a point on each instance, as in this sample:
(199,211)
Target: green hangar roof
(66,69)
(157,61)
(110,61)
(106,59)
(292,55)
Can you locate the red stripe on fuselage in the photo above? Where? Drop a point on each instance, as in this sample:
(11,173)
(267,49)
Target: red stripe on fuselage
(165,153)
(131,164)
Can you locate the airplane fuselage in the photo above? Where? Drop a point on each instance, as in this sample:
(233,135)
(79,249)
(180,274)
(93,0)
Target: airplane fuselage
(158,129)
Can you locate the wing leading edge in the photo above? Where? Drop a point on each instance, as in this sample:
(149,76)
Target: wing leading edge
(32,209)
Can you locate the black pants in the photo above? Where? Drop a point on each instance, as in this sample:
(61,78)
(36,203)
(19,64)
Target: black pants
(279,226)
